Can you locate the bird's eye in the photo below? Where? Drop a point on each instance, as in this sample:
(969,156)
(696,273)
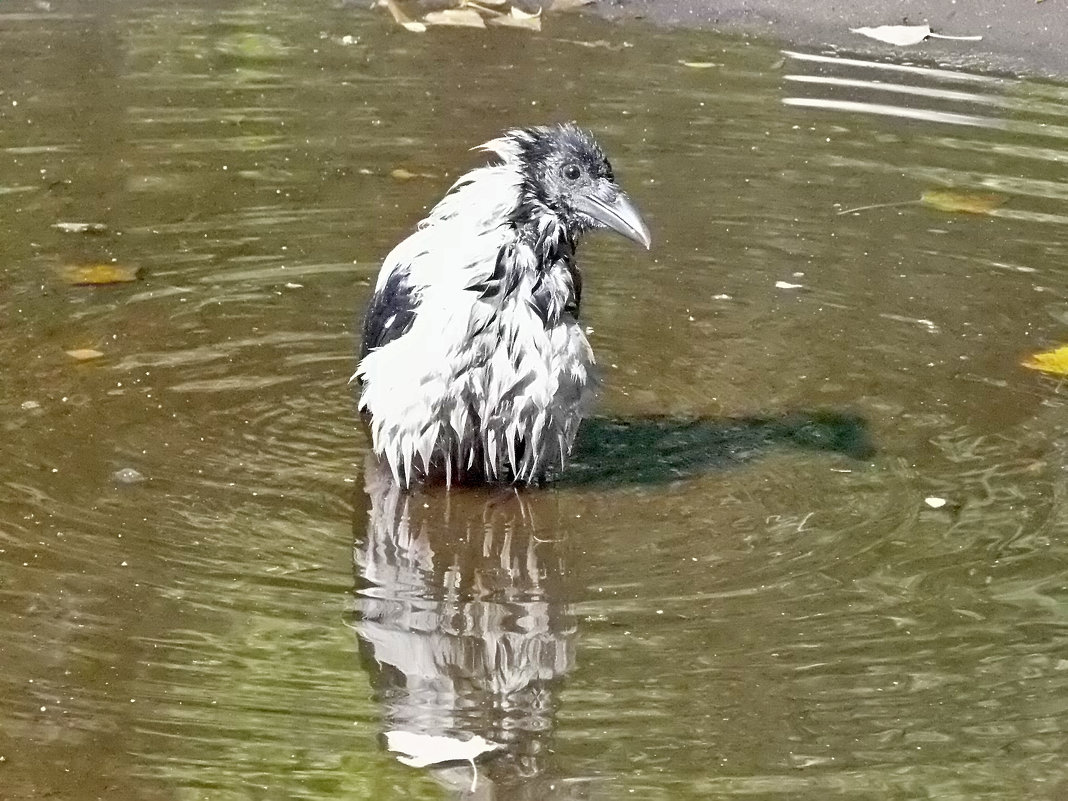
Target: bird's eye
(572,172)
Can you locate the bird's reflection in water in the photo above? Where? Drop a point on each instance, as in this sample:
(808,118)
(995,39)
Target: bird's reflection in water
(463,597)
(464,624)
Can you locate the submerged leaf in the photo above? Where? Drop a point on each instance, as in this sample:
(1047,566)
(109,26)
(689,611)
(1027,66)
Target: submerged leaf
(1053,361)
(596,43)
(401,174)
(80,227)
(901,35)
(98,274)
(462,17)
(84,354)
(966,202)
(127,475)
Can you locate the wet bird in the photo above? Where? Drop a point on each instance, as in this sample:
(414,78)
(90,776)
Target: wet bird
(473,365)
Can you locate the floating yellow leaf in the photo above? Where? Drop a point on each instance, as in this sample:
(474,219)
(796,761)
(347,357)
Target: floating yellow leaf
(84,354)
(1053,361)
(98,274)
(462,17)
(967,202)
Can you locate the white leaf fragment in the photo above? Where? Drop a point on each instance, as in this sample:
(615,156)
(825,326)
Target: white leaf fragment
(905,35)
(788,285)
(975,38)
(901,35)
(935,502)
(420,750)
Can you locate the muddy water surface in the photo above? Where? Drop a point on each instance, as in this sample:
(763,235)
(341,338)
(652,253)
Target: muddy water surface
(815,546)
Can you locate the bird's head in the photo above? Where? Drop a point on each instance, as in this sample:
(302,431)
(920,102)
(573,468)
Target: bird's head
(564,172)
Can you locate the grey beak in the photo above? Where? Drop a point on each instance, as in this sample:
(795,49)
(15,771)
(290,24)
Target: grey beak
(618,214)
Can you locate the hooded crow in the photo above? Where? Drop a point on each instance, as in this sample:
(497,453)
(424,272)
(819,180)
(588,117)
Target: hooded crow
(474,367)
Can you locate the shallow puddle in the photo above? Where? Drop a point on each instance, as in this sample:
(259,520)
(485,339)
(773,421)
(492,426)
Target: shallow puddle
(815,545)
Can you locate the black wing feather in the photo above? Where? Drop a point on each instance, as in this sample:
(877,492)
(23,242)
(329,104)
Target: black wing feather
(390,313)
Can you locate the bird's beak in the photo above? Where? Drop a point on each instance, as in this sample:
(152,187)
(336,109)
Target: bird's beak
(618,214)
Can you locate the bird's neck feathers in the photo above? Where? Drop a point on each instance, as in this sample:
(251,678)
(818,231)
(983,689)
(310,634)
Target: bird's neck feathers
(542,228)
(550,241)
(504,193)
(536,256)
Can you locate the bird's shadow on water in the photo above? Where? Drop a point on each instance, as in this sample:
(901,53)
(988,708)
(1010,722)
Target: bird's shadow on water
(656,449)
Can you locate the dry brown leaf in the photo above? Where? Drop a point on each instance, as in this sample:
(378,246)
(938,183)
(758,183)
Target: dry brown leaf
(402,18)
(965,202)
(84,354)
(484,9)
(98,274)
(1053,361)
(519,19)
(461,17)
